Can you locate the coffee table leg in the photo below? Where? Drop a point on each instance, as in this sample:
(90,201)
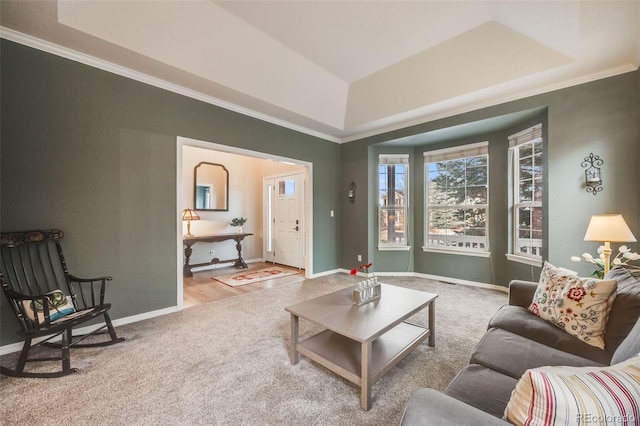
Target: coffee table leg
(365,391)
(432,323)
(294,339)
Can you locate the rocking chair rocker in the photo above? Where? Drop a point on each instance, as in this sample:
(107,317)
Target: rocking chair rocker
(47,301)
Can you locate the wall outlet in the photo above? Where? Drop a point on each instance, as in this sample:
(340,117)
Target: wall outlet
(212,252)
(359,258)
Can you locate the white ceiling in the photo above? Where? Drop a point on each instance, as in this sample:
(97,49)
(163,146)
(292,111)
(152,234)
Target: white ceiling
(340,70)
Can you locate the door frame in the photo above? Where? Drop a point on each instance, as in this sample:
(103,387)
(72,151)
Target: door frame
(182,141)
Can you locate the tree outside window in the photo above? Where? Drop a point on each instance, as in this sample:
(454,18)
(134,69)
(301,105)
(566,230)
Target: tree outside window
(527,153)
(392,199)
(457,198)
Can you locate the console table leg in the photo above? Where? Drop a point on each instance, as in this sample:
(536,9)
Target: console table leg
(186,271)
(432,323)
(240,261)
(365,391)
(294,339)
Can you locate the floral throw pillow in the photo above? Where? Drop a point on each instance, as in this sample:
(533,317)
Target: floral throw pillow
(579,306)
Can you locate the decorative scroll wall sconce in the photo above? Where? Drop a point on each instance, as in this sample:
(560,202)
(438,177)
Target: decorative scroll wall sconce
(352,192)
(592,176)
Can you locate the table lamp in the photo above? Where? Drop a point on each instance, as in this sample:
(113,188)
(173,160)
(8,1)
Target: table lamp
(608,228)
(189,215)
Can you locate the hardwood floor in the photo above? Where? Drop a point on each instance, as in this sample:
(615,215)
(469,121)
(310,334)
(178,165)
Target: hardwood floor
(202,289)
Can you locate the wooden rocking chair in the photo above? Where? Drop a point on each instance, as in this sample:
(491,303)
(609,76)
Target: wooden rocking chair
(47,301)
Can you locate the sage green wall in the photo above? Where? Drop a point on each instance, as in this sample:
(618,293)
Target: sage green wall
(599,117)
(94,154)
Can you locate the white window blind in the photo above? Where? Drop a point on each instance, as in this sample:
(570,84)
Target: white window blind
(394,159)
(471,150)
(532,134)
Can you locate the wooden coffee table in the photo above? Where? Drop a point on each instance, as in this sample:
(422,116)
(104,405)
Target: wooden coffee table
(362,343)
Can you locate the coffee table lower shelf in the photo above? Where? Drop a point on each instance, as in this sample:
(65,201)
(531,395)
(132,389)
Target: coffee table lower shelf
(343,355)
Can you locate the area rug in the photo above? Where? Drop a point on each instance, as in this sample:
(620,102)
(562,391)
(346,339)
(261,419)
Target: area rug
(254,276)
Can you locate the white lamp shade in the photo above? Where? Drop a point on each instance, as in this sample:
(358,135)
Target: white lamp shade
(609,228)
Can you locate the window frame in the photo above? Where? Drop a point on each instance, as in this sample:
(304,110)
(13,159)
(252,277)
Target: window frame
(394,160)
(456,153)
(531,135)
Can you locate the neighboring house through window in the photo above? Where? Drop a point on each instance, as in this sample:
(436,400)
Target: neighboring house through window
(457,199)
(526,154)
(393,199)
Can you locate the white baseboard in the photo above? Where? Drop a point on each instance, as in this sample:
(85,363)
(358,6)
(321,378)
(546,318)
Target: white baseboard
(325,273)
(15,347)
(436,278)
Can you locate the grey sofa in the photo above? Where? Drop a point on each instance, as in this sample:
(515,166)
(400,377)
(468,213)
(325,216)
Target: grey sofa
(517,340)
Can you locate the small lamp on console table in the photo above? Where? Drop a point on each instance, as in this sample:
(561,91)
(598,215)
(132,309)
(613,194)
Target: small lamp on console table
(608,228)
(189,215)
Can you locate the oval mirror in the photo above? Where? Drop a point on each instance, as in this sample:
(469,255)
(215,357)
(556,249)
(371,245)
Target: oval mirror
(211,187)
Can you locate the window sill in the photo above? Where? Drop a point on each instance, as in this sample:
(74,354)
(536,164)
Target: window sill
(523,259)
(394,248)
(458,252)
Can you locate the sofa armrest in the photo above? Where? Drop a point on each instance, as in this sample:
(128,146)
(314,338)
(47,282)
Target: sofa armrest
(430,407)
(521,292)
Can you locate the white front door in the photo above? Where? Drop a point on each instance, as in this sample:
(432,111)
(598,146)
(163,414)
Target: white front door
(284,219)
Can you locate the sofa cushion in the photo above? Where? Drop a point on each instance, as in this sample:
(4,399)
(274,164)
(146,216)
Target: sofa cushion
(523,354)
(630,347)
(579,306)
(520,321)
(432,408)
(482,388)
(625,310)
(577,395)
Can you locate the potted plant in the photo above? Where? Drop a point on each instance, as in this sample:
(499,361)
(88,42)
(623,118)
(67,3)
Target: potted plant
(237,223)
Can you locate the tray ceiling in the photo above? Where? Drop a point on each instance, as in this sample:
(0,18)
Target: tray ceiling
(341,70)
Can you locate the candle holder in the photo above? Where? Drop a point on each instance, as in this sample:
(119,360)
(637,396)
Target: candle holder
(592,176)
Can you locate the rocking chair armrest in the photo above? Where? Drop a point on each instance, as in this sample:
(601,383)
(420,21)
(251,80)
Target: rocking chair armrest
(88,280)
(91,291)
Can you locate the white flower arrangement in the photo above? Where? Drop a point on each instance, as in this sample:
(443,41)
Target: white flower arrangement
(623,257)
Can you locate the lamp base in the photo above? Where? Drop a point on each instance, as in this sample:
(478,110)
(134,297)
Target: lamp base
(607,256)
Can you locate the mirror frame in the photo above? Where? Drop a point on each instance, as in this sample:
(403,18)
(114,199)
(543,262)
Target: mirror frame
(195,187)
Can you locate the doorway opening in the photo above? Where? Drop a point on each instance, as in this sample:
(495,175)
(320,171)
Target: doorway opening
(246,172)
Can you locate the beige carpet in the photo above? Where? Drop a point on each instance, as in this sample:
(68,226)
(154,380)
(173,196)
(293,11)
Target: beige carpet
(254,275)
(226,363)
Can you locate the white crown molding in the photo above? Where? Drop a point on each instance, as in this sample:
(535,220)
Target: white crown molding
(437,111)
(64,52)
(492,101)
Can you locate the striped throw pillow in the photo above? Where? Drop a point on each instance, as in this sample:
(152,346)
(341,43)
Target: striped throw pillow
(577,396)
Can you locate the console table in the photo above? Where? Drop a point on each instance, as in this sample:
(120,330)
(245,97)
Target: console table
(189,241)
